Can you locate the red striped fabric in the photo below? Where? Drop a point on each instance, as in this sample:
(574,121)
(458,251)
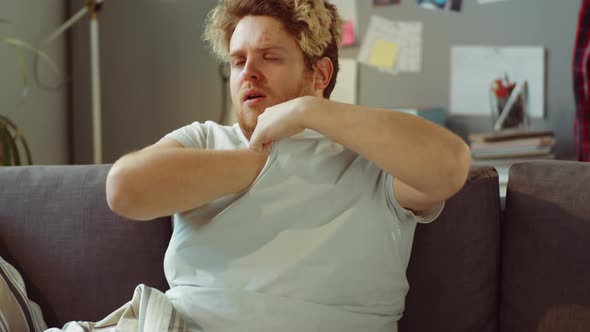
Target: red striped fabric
(581,77)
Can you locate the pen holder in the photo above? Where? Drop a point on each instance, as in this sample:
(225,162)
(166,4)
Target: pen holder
(510,110)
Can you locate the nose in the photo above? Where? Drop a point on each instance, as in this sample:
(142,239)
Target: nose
(251,71)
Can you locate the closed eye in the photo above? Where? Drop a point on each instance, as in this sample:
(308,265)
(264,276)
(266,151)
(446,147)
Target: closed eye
(272,58)
(237,62)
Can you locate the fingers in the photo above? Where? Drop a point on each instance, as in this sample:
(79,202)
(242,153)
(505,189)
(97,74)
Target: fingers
(259,146)
(263,134)
(266,147)
(256,143)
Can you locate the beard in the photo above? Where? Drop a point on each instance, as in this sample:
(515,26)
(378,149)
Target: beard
(248,118)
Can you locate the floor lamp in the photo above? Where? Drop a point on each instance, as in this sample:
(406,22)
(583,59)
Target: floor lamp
(92,8)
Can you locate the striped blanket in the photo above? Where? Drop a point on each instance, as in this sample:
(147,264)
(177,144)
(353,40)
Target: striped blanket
(148,311)
(17,311)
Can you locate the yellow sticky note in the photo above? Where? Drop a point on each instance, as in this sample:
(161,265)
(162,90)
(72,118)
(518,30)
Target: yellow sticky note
(383,54)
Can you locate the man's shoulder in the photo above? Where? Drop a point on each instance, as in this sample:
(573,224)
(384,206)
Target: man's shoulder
(209,135)
(219,136)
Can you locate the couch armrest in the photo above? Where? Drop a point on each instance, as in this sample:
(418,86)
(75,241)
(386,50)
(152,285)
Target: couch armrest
(79,260)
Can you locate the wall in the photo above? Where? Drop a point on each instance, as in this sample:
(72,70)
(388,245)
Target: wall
(158,75)
(42,114)
(547,23)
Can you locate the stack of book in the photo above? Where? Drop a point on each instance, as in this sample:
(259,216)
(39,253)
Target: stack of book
(504,148)
(511,144)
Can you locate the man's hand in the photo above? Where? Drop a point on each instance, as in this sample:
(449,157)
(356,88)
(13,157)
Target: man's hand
(280,121)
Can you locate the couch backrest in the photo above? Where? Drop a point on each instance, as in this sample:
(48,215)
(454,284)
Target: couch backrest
(454,267)
(546,248)
(78,259)
(61,212)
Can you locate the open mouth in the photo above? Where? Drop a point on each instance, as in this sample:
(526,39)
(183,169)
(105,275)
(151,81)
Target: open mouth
(254,97)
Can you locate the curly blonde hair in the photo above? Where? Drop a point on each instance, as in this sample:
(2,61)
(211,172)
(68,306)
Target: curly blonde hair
(315,25)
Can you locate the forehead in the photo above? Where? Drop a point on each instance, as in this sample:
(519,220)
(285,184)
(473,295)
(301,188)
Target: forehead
(260,32)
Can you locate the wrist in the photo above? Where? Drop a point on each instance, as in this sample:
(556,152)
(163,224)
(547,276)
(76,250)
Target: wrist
(258,160)
(308,111)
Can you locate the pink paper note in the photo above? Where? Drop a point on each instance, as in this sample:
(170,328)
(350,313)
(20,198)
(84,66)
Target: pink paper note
(349,37)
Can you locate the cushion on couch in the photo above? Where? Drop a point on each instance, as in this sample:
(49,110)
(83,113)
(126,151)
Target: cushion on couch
(454,270)
(61,211)
(545,256)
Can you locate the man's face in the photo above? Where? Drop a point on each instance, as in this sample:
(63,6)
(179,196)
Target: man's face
(267,68)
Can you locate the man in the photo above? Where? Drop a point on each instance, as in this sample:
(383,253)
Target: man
(301,216)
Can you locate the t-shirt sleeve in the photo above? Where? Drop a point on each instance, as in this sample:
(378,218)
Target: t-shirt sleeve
(424,217)
(191,136)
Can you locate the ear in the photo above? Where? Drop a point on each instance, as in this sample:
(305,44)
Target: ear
(324,69)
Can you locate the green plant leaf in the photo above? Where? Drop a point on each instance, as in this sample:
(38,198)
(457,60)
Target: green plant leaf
(26,147)
(2,158)
(24,45)
(5,145)
(20,45)
(14,148)
(23,70)
(18,137)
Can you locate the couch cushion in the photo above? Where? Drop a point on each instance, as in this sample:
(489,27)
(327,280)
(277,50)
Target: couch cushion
(454,267)
(79,260)
(546,248)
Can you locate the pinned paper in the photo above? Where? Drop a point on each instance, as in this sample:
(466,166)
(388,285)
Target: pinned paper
(348,12)
(473,68)
(348,35)
(454,5)
(380,3)
(384,54)
(406,53)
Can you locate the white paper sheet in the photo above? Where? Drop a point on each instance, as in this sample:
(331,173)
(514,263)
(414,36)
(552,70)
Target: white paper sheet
(345,90)
(392,46)
(473,68)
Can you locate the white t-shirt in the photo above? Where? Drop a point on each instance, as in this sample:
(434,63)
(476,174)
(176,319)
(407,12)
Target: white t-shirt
(317,243)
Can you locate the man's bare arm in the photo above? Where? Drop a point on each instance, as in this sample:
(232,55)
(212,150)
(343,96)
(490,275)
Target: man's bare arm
(429,162)
(166,178)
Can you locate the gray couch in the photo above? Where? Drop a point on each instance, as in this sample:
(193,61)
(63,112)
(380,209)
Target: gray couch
(525,268)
